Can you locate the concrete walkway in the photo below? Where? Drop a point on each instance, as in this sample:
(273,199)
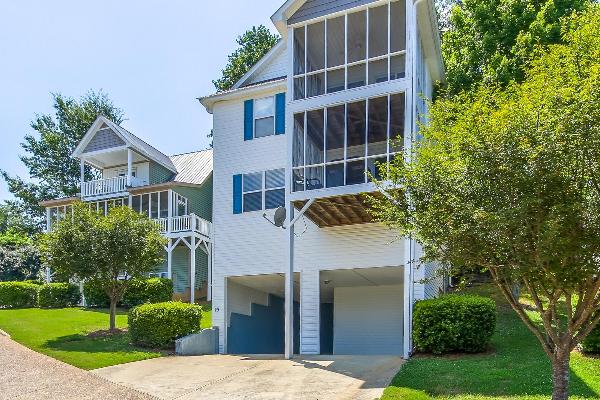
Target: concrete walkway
(258,377)
(25,374)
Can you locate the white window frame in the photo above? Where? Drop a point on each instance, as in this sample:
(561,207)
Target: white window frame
(256,117)
(388,155)
(149,194)
(346,65)
(263,188)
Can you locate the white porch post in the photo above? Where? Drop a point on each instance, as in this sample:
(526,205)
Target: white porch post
(170,210)
(81,174)
(209,256)
(129,165)
(289,288)
(48,220)
(170,259)
(193,269)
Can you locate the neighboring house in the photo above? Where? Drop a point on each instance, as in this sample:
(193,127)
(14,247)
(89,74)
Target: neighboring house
(175,191)
(341,91)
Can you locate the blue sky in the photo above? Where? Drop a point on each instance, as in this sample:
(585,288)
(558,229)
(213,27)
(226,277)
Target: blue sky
(153,58)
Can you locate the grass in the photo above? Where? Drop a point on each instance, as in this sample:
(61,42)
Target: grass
(63,334)
(516,369)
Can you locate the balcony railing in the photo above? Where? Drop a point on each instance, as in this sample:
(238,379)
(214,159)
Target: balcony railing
(107,186)
(185,223)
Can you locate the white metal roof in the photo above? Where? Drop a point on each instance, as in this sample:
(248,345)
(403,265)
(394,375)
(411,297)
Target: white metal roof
(193,168)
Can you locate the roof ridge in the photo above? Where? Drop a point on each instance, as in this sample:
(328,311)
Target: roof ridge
(191,152)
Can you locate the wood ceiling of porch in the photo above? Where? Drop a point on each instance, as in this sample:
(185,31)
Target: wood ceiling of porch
(340,210)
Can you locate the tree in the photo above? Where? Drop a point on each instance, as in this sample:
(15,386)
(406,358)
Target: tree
(509,180)
(491,41)
(253,45)
(48,153)
(109,250)
(19,259)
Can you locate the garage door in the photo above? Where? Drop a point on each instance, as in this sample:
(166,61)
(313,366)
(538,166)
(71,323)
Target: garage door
(368,320)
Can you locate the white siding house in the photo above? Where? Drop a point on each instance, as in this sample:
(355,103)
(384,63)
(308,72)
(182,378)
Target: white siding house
(341,91)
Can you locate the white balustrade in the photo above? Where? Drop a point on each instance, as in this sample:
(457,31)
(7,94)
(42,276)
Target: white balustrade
(185,223)
(104,186)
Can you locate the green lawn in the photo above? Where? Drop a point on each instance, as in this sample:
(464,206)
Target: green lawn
(62,334)
(516,369)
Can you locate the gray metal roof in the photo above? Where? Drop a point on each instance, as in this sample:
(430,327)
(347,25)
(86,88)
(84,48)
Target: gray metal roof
(193,168)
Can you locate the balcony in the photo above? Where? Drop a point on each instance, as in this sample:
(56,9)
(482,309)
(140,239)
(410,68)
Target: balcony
(107,187)
(184,224)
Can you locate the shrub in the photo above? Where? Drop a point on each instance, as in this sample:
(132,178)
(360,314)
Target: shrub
(94,294)
(18,294)
(153,290)
(159,324)
(591,344)
(454,323)
(58,295)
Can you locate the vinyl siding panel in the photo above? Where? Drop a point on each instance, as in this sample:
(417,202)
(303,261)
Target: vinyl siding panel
(200,198)
(102,140)
(368,320)
(274,68)
(319,8)
(158,173)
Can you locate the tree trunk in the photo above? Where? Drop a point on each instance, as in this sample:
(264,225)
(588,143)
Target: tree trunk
(113,314)
(560,377)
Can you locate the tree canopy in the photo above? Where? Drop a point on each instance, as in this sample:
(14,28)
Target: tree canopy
(509,180)
(48,153)
(253,45)
(109,250)
(491,41)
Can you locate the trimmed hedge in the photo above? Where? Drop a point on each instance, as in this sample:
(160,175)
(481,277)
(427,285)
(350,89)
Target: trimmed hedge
(18,295)
(591,344)
(454,323)
(153,290)
(159,324)
(139,291)
(58,295)
(94,295)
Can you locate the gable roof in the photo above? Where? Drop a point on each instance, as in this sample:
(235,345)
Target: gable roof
(194,168)
(132,141)
(263,62)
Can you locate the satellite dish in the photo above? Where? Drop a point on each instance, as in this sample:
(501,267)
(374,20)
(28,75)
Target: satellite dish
(278,217)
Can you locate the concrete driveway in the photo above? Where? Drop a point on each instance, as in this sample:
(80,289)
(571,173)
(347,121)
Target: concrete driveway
(258,377)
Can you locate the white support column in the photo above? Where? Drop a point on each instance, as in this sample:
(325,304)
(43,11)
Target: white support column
(408,296)
(129,165)
(209,255)
(48,275)
(170,211)
(193,269)
(289,287)
(170,259)
(48,220)
(81,174)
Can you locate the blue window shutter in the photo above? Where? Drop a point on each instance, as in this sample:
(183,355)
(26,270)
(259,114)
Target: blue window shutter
(237,194)
(280,114)
(249,120)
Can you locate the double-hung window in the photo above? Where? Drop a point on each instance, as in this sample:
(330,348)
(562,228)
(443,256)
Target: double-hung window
(263,190)
(253,185)
(264,117)
(274,188)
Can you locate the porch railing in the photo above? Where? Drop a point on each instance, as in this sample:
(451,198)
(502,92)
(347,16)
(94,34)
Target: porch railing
(106,186)
(185,223)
